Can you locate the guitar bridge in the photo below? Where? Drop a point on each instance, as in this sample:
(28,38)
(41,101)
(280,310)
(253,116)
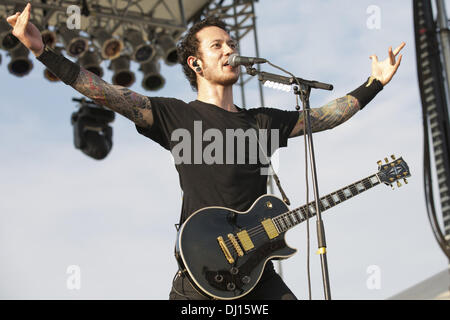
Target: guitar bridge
(225,250)
(236,245)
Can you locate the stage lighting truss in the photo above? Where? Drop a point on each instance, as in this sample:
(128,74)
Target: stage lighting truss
(120,31)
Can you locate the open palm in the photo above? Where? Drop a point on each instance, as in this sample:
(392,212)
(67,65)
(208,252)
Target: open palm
(385,70)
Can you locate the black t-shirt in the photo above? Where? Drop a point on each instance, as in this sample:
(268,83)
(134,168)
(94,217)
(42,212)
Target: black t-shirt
(212,168)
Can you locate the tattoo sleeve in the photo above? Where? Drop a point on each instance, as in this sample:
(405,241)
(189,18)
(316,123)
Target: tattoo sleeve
(329,116)
(128,103)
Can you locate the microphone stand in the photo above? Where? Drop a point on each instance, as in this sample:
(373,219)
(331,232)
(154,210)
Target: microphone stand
(303,89)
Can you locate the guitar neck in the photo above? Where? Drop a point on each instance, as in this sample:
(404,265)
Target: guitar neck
(294,217)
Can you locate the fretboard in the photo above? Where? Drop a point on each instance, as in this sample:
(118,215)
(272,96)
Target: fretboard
(289,219)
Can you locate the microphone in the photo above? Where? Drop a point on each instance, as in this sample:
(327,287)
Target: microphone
(234,60)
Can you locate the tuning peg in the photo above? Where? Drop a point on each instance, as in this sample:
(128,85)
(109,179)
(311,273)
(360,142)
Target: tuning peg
(399,184)
(379,162)
(406,181)
(386,159)
(392,157)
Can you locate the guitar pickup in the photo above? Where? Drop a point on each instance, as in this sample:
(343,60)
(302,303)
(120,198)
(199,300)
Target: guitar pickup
(270,228)
(225,250)
(246,242)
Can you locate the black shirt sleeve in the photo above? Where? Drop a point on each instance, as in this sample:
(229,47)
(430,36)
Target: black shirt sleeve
(283,121)
(167,115)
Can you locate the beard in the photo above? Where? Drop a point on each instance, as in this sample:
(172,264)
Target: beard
(219,77)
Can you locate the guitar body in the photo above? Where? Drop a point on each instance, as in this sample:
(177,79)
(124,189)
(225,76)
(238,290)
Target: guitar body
(210,270)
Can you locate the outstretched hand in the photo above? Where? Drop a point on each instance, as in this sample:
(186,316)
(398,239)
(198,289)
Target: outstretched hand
(25,31)
(385,70)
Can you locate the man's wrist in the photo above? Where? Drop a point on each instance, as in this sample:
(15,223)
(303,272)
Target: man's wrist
(367,91)
(39,52)
(66,70)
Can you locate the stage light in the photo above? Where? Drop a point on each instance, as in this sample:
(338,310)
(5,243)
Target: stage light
(141,51)
(92,134)
(74,44)
(49,38)
(91,61)
(152,79)
(20,65)
(168,48)
(110,47)
(122,76)
(7,40)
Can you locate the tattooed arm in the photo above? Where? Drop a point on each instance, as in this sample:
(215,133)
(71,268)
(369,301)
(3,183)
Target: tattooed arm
(134,106)
(329,116)
(128,103)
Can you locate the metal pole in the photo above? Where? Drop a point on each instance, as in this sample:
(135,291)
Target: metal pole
(444,35)
(241,77)
(258,67)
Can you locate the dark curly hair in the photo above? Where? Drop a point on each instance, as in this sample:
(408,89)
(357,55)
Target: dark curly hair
(188,46)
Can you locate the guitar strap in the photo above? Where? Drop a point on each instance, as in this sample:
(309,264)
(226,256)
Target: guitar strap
(254,124)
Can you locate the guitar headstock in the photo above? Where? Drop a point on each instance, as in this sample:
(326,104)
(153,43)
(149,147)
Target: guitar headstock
(393,171)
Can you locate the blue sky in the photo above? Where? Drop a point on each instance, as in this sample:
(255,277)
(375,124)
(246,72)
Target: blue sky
(115,218)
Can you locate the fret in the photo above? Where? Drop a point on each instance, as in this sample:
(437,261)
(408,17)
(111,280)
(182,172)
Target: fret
(283,226)
(360,187)
(367,183)
(287,221)
(277,224)
(336,198)
(297,216)
(347,193)
(293,218)
(374,180)
(303,213)
(330,200)
(353,190)
(325,203)
(341,195)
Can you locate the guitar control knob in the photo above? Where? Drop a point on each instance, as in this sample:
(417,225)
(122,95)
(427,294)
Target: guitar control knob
(218,278)
(231,286)
(234,271)
(246,279)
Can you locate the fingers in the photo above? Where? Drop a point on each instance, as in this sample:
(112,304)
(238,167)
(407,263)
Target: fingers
(13,19)
(24,16)
(398,62)
(374,58)
(391,56)
(400,47)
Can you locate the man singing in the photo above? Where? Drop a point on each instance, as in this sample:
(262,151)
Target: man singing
(225,181)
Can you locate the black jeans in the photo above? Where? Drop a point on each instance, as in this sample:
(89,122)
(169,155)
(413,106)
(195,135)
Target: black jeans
(269,287)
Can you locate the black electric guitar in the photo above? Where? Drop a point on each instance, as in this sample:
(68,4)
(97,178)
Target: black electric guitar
(223,252)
